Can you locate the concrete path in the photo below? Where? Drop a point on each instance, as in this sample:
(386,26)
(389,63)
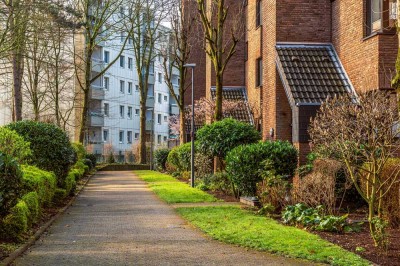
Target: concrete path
(117,220)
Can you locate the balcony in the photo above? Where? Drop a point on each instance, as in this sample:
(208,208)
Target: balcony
(150,101)
(149,125)
(96,119)
(101,40)
(97,65)
(152,78)
(174,109)
(97,92)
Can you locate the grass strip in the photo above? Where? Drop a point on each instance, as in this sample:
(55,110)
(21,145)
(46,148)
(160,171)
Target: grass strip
(172,190)
(236,226)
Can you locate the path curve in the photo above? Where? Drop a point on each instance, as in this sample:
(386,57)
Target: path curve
(117,220)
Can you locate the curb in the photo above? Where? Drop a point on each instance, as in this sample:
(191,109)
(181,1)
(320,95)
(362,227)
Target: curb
(31,241)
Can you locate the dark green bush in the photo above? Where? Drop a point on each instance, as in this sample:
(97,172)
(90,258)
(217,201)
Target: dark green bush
(219,138)
(51,149)
(16,222)
(11,183)
(88,163)
(179,157)
(14,145)
(160,158)
(93,158)
(43,182)
(244,164)
(32,202)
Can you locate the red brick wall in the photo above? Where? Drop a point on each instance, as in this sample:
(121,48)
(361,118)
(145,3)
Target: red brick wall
(303,20)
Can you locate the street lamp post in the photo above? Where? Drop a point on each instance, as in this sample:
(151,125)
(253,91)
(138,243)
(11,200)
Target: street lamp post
(192,66)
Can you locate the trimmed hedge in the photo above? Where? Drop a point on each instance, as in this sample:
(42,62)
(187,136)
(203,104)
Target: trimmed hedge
(79,150)
(179,157)
(43,182)
(14,145)
(15,223)
(245,163)
(11,183)
(92,158)
(70,184)
(218,138)
(160,158)
(51,149)
(32,202)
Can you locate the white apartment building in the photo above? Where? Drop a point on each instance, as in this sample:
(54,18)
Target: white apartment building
(115,107)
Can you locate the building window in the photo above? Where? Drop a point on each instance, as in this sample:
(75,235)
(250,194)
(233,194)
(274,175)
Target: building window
(137,112)
(130,112)
(122,86)
(159,77)
(165,118)
(121,111)
(137,87)
(258,14)
(106,109)
(158,139)
(121,136)
(130,63)
(165,98)
(151,68)
(106,57)
(159,119)
(165,139)
(259,78)
(121,11)
(122,61)
(136,135)
(105,135)
(129,87)
(122,36)
(159,98)
(106,83)
(129,136)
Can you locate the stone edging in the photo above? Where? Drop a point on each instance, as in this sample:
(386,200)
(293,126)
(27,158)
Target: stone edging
(31,241)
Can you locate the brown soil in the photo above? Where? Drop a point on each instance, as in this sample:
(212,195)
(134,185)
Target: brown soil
(351,241)
(222,196)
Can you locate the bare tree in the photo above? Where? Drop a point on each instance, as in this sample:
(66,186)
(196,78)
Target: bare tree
(221,37)
(176,54)
(363,136)
(100,22)
(146,34)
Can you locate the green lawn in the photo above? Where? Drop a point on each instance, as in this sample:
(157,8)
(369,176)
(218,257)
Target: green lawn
(236,226)
(171,190)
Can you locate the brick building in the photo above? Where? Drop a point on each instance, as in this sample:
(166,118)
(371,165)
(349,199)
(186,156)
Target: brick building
(299,52)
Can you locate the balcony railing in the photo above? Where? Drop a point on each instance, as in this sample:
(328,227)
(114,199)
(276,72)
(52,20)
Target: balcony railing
(96,119)
(150,101)
(97,65)
(174,109)
(149,125)
(97,92)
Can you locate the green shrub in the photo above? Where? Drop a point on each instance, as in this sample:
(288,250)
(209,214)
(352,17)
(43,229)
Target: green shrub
(70,184)
(60,195)
(14,145)
(88,163)
(76,173)
(313,218)
(220,181)
(160,158)
(51,149)
(81,169)
(43,182)
(244,163)
(219,138)
(93,158)
(32,202)
(16,223)
(79,150)
(179,157)
(11,184)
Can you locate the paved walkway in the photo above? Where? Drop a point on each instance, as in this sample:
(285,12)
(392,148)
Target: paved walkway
(117,220)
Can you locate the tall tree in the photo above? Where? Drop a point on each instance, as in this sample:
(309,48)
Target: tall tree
(101,21)
(176,54)
(145,22)
(221,37)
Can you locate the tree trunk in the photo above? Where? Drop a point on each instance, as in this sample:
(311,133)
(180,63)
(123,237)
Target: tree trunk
(182,127)
(84,119)
(218,98)
(142,141)
(18,67)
